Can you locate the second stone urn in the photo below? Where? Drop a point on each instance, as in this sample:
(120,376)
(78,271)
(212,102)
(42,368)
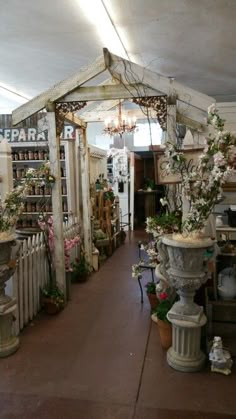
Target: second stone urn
(186,270)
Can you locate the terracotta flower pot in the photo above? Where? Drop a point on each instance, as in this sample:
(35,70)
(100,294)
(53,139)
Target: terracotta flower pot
(152,300)
(165,332)
(50,306)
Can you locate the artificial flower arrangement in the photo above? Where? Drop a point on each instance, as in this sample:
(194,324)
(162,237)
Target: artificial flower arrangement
(81,268)
(13,205)
(203,186)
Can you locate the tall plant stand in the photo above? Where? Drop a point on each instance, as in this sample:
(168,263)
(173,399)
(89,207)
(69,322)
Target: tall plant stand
(186,271)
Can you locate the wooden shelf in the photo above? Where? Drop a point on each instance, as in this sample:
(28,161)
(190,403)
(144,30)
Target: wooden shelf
(32,161)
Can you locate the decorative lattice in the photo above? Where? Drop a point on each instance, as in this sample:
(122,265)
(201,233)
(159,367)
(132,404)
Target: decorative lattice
(158,104)
(62,109)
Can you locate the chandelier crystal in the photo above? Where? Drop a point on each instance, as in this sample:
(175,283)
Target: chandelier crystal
(120,125)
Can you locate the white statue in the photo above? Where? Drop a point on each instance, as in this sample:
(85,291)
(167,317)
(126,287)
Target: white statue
(220,358)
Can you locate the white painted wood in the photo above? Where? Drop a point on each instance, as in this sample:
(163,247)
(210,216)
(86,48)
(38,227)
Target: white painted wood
(30,273)
(116,91)
(130,72)
(58,90)
(171,123)
(97,116)
(26,282)
(54,157)
(6,174)
(132,174)
(86,205)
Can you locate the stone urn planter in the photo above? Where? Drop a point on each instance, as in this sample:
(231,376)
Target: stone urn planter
(8,342)
(186,270)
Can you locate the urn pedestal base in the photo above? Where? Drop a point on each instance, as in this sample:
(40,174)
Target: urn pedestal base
(185,354)
(8,342)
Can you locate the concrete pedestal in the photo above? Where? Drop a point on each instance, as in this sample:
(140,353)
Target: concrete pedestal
(8,342)
(185,354)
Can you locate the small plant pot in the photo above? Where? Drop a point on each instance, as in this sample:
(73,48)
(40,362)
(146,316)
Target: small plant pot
(152,300)
(50,306)
(165,332)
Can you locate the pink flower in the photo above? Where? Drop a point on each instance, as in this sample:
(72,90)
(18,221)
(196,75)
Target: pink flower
(163,296)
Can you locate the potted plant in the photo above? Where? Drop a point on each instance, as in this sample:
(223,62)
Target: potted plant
(151,293)
(81,268)
(164,326)
(184,263)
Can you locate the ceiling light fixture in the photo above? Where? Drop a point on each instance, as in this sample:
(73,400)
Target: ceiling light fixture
(97,13)
(120,125)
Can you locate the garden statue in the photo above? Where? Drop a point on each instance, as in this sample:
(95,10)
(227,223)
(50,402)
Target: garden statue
(220,359)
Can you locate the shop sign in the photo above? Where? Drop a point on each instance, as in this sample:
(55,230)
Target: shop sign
(18,135)
(164,177)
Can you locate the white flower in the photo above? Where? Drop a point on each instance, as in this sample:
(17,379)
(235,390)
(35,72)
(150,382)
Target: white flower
(211,108)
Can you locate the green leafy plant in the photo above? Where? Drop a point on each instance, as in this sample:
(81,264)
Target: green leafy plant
(164,224)
(151,288)
(166,301)
(54,294)
(109,195)
(81,268)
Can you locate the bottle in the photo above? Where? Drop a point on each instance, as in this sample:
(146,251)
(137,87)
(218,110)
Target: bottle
(31,155)
(21,155)
(36,155)
(62,154)
(41,155)
(26,155)
(16,155)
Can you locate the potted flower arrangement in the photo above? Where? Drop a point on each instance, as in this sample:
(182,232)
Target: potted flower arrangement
(81,269)
(185,252)
(151,293)
(164,326)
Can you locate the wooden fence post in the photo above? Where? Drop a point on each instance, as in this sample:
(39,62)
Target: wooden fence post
(6,176)
(54,156)
(86,205)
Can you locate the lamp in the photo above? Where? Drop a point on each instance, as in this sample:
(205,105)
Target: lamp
(120,125)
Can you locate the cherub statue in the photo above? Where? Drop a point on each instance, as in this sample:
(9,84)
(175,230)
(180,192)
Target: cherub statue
(220,359)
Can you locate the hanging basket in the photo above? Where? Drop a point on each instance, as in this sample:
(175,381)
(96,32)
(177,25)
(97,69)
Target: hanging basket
(165,332)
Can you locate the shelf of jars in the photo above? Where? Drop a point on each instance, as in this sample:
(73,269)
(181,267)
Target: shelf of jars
(38,200)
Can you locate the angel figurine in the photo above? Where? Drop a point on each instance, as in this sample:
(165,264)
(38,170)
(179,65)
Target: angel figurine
(220,359)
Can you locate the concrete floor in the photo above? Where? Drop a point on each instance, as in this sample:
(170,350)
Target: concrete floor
(101,359)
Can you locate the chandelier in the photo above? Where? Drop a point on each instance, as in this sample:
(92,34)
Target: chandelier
(120,125)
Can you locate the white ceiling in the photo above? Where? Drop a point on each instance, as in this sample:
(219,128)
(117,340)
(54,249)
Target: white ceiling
(43,42)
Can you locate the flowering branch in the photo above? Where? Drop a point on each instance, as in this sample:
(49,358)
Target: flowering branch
(203,187)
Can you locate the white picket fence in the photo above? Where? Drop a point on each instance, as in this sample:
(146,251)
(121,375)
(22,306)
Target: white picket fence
(32,274)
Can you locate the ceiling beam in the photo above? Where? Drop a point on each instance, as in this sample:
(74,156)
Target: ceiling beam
(116,91)
(58,90)
(128,72)
(98,116)
(70,117)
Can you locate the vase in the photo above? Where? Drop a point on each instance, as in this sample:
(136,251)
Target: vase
(152,300)
(186,270)
(50,306)
(8,342)
(165,332)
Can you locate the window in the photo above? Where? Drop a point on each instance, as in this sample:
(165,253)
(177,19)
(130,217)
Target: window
(142,135)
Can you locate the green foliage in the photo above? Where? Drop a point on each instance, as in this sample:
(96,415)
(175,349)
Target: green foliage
(81,268)
(54,294)
(162,309)
(151,288)
(109,195)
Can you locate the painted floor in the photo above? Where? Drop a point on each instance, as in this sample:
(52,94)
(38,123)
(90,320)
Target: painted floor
(101,359)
